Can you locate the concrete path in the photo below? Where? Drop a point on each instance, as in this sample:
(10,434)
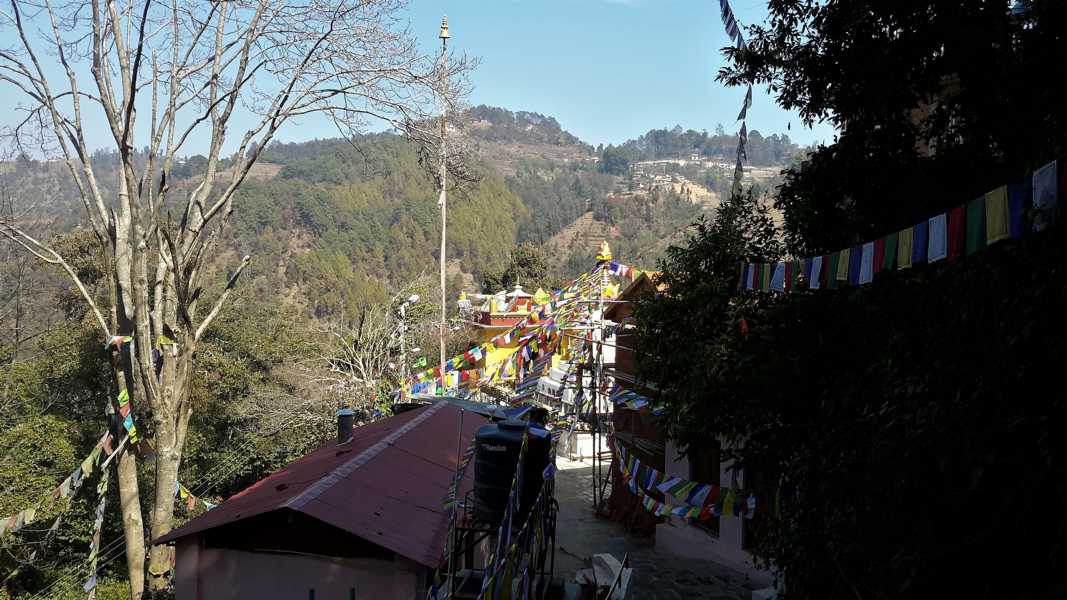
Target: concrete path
(656,576)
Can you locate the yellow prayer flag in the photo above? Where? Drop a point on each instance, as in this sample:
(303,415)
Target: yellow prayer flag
(842,265)
(996,215)
(905,242)
(728,502)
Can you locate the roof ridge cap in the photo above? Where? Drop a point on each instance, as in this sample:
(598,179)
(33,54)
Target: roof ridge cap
(345,469)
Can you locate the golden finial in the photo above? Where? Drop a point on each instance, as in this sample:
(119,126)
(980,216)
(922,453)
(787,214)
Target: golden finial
(605,252)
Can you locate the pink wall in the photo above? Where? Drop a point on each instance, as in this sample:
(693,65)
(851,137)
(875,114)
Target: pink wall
(224,574)
(681,539)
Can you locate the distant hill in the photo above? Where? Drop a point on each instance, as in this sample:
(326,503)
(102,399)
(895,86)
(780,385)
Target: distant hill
(677,143)
(332,224)
(494,124)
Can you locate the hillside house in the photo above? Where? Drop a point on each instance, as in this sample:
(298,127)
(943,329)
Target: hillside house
(362,517)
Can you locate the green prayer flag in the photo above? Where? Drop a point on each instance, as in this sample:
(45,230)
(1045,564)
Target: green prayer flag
(506,582)
(722,495)
(831,270)
(421,363)
(890,251)
(975,225)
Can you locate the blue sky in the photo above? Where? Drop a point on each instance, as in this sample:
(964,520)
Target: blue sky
(608,70)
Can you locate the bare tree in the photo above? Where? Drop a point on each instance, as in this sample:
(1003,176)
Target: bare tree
(166,76)
(363,359)
(359,358)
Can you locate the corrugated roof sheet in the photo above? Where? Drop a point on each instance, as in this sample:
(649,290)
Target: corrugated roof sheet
(387,485)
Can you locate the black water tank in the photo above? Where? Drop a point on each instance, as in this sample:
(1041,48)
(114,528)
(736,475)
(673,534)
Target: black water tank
(495,458)
(346,418)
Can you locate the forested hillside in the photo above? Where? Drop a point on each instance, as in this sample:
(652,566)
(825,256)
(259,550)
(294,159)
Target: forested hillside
(343,224)
(335,224)
(337,230)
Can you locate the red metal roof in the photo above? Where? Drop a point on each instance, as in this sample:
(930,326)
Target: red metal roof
(387,485)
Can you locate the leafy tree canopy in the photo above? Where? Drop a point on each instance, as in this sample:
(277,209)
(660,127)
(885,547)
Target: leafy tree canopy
(527,266)
(935,102)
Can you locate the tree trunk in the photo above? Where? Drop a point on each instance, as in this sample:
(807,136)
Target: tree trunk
(122,364)
(132,524)
(168,458)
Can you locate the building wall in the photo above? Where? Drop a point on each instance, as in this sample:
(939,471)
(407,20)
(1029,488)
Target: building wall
(681,539)
(227,574)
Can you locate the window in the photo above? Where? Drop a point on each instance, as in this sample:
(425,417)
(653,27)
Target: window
(704,465)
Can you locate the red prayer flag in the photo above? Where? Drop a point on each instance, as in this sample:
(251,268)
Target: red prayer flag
(957,219)
(709,503)
(788,284)
(825,275)
(879,254)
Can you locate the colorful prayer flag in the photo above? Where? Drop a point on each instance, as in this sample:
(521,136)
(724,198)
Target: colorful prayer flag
(957,224)
(728,502)
(1045,197)
(904,248)
(778,277)
(1019,194)
(890,251)
(879,256)
(867,263)
(920,242)
(976,225)
(843,264)
(830,264)
(855,259)
(996,215)
(938,246)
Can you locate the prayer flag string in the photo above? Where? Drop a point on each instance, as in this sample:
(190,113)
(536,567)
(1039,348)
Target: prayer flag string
(1006,212)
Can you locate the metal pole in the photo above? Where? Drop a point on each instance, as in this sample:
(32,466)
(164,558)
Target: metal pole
(444,184)
(599,368)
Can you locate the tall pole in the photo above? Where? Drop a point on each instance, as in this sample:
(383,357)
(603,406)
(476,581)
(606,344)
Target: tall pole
(403,346)
(443,201)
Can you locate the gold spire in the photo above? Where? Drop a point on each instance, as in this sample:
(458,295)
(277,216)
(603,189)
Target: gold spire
(605,251)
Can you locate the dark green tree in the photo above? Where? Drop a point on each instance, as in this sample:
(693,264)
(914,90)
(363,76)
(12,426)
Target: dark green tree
(615,160)
(907,421)
(527,266)
(935,102)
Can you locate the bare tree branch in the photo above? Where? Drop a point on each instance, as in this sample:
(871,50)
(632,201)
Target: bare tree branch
(45,253)
(222,299)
